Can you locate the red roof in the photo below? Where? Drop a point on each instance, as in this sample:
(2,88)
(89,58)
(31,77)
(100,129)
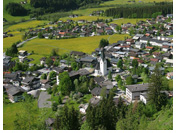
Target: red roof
(129,40)
(153,59)
(165,46)
(148,47)
(156,53)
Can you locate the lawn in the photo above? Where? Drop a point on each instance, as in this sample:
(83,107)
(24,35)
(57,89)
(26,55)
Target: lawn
(43,47)
(126,20)
(26,25)
(88,18)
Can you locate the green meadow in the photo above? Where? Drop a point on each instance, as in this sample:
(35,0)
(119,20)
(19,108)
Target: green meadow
(43,47)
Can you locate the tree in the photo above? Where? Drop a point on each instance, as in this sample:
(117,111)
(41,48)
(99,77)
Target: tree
(65,85)
(154,90)
(120,83)
(74,65)
(117,78)
(54,106)
(102,116)
(103,43)
(120,64)
(49,62)
(68,119)
(110,75)
(44,76)
(129,80)
(54,52)
(52,75)
(144,77)
(12,51)
(40,35)
(135,63)
(103,92)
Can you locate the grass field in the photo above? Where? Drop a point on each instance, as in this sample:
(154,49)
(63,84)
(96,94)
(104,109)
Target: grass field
(115,2)
(14,18)
(126,20)
(88,18)
(26,25)
(9,114)
(43,47)
(7,42)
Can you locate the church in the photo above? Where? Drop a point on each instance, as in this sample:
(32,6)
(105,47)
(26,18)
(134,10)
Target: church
(102,68)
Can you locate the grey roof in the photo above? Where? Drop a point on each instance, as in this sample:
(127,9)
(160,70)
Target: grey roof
(81,72)
(87,59)
(99,79)
(94,101)
(13,90)
(49,121)
(138,87)
(28,79)
(43,100)
(11,75)
(96,91)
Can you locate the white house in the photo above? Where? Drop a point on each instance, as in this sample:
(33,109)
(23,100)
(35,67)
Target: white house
(133,91)
(103,63)
(143,98)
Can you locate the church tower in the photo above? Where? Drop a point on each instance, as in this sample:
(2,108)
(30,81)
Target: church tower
(103,63)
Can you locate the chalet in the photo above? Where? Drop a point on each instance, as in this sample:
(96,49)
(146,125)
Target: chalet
(129,41)
(96,92)
(169,62)
(77,54)
(148,48)
(165,48)
(138,36)
(108,30)
(30,83)
(22,55)
(42,60)
(133,91)
(88,61)
(156,54)
(167,56)
(101,25)
(94,101)
(139,45)
(14,93)
(97,80)
(100,32)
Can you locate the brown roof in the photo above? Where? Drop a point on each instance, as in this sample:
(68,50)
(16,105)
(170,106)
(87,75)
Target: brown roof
(147,47)
(153,59)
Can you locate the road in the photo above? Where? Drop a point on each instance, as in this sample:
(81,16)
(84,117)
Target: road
(20,44)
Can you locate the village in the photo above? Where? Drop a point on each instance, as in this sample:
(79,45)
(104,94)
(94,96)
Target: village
(124,66)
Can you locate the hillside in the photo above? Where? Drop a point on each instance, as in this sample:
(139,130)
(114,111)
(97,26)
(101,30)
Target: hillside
(163,121)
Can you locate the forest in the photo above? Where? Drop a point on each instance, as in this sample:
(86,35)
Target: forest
(140,11)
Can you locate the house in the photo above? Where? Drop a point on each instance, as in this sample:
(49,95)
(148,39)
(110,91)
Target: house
(96,92)
(34,93)
(50,123)
(94,101)
(167,56)
(169,75)
(129,41)
(137,37)
(144,98)
(22,55)
(30,83)
(139,45)
(42,60)
(77,53)
(165,48)
(14,93)
(83,108)
(113,27)
(133,91)
(152,68)
(88,61)
(97,80)
(100,32)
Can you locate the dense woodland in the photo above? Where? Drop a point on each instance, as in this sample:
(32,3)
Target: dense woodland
(145,11)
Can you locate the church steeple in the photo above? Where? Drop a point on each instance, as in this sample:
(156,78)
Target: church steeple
(103,63)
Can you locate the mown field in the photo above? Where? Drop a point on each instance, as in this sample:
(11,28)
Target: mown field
(26,25)
(7,42)
(88,18)
(43,47)
(126,20)
(115,2)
